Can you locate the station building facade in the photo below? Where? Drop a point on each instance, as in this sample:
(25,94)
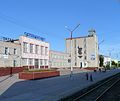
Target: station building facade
(59,59)
(34,53)
(84,50)
(9,54)
(31,52)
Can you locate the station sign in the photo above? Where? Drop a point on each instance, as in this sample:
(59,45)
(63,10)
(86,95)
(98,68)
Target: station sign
(34,36)
(3,56)
(6,39)
(92,56)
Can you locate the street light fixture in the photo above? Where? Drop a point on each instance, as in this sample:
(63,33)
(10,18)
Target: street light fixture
(100,43)
(99,49)
(71,32)
(110,51)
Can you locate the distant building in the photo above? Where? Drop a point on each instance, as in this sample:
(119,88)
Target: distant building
(115,60)
(9,54)
(107,61)
(34,52)
(59,59)
(84,50)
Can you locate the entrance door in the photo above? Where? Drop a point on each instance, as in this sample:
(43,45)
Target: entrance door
(80,64)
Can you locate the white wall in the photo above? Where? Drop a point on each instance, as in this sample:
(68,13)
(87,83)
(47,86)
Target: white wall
(33,55)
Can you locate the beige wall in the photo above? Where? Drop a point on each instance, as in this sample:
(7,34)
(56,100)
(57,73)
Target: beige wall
(59,59)
(7,60)
(88,44)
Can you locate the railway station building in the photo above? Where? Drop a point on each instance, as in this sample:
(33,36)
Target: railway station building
(84,50)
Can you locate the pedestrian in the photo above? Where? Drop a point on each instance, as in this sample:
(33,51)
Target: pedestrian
(91,78)
(99,70)
(87,76)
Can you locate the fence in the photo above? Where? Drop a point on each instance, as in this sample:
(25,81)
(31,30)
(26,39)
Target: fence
(10,70)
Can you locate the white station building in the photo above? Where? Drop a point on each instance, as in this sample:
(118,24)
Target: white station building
(29,50)
(34,51)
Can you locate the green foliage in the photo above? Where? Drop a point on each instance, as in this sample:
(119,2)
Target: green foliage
(114,64)
(101,59)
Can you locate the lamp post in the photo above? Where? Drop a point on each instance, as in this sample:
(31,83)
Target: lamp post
(110,51)
(98,51)
(71,32)
(100,43)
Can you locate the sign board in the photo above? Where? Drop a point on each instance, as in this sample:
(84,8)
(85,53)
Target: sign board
(3,56)
(34,36)
(6,39)
(92,56)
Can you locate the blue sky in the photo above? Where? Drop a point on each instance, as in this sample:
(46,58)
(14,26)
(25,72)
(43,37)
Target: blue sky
(48,18)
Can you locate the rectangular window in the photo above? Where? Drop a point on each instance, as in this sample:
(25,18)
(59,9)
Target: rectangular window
(42,50)
(84,40)
(24,62)
(75,43)
(31,48)
(84,45)
(36,49)
(15,51)
(6,50)
(85,57)
(55,56)
(14,63)
(46,62)
(36,62)
(46,50)
(41,62)
(25,47)
(75,64)
(31,62)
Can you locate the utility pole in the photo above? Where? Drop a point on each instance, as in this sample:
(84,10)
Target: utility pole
(100,43)
(98,50)
(110,56)
(71,32)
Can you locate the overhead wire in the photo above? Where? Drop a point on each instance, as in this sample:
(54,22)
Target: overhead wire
(18,23)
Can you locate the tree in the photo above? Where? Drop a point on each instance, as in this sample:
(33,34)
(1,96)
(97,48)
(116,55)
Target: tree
(101,59)
(114,64)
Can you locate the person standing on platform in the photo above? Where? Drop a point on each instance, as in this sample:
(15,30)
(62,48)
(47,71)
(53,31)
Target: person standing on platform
(91,78)
(87,76)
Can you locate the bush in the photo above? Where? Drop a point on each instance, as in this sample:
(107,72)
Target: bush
(39,70)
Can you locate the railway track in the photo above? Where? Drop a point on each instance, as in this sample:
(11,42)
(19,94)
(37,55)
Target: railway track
(96,93)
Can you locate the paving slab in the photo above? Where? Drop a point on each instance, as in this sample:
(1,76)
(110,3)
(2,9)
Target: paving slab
(51,89)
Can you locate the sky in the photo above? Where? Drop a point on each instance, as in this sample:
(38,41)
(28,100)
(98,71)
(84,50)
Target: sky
(48,18)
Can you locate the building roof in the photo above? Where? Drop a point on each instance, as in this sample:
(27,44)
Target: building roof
(10,42)
(80,37)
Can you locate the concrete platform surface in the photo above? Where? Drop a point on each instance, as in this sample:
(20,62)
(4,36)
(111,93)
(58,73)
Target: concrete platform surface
(49,89)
